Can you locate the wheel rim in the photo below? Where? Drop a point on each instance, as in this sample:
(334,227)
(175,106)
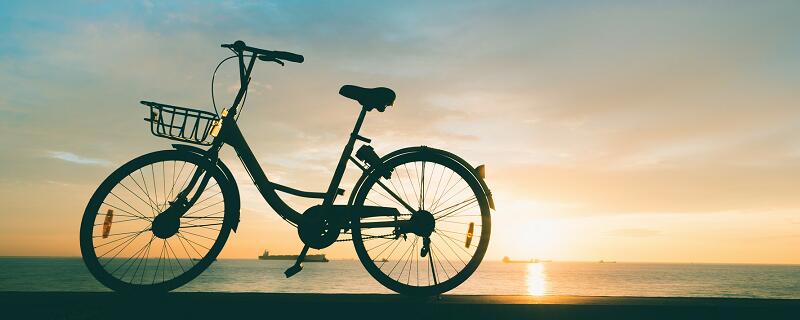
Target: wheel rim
(448,192)
(126,253)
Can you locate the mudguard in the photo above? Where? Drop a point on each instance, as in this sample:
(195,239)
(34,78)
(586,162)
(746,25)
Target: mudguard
(452,156)
(235,202)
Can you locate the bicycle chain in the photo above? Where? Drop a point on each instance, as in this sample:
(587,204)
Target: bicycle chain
(385,236)
(373,237)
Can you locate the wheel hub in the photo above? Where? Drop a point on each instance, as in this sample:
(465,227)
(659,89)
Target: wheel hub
(167,223)
(165,226)
(423,223)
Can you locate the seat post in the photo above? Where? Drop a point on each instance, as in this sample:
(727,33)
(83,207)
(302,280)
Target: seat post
(330,195)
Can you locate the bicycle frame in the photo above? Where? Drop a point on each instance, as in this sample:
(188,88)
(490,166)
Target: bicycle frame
(230,134)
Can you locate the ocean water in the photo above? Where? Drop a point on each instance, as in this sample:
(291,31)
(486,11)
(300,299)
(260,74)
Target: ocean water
(491,278)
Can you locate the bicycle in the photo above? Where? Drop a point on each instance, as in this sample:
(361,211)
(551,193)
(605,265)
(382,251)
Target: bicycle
(411,205)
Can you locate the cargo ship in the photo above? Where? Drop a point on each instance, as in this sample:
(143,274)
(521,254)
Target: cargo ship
(309,258)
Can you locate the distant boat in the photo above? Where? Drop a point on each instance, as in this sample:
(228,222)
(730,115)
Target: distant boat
(507,260)
(309,258)
(603,261)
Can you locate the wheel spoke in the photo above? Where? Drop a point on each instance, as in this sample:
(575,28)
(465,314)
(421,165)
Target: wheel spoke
(422,187)
(176,257)
(146,190)
(447,239)
(123,233)
(380,245)
(445,189)
(120,250)
(143,258)
(467,204)
(441,265)
(206,226)
(164,183)
(175,178)
(155,186)
(411,181)
(451,197)
(198,235)
(128,204)
(121,221)
(390,253)
(192,242)
(150,202)
(396,197)
(398,260)
(432,268)
(180,236)
(135,255)
(206,207)
(123,210)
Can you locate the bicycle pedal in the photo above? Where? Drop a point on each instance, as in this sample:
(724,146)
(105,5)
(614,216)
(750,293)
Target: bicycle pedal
(293,270)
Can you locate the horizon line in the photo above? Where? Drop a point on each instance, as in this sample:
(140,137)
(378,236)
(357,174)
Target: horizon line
(500,260)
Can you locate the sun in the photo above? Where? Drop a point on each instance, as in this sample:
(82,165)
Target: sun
(540,238)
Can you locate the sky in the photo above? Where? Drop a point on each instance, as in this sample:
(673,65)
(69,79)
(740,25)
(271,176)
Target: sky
(658,131)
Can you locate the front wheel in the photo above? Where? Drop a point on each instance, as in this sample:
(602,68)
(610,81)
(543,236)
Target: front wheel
(130,244)
(437,256)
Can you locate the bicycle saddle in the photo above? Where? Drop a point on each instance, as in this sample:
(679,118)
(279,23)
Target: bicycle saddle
(370,98)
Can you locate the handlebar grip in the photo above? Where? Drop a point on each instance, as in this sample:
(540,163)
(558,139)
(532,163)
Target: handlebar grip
(240,46)
(288,56)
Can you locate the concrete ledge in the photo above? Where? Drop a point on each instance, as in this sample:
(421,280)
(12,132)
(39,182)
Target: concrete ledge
(90,305)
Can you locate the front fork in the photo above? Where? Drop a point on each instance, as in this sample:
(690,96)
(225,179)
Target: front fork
(181,204)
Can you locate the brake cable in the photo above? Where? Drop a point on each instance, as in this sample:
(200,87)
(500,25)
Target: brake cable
(213,77)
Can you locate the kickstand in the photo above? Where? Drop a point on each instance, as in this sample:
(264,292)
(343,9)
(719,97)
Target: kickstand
(298,265)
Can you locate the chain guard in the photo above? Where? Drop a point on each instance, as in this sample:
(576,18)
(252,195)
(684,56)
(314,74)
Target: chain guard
(319,228)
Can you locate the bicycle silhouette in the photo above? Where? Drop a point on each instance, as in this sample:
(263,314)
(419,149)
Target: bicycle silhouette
(419,217)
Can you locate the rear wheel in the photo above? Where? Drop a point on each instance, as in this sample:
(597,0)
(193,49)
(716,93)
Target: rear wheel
(127,241)
(439,255)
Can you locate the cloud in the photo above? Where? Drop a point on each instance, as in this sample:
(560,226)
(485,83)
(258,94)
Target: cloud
(74,158)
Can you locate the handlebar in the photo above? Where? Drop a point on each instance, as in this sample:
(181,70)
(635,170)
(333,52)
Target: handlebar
(239,46)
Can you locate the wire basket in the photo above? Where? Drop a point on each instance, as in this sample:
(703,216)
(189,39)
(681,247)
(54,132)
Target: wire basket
(181,124)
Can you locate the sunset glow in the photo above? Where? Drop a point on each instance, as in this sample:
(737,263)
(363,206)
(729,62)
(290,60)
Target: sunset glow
(649,131)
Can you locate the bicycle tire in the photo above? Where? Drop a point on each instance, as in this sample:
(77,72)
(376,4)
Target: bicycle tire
(88,225)
(378,272)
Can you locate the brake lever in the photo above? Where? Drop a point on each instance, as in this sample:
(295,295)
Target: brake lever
(263,58)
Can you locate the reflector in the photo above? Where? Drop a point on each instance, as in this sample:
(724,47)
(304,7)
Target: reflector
(470,229)
(107,223)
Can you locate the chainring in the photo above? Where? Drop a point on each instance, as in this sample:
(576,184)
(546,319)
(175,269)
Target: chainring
(319,228)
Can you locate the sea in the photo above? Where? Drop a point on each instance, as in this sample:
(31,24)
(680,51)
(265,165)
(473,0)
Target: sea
(491,278)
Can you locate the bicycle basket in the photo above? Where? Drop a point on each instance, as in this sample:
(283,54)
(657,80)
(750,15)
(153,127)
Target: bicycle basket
(181,124)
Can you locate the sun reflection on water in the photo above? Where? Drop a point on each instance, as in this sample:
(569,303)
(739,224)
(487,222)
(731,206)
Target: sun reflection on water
(536,280)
